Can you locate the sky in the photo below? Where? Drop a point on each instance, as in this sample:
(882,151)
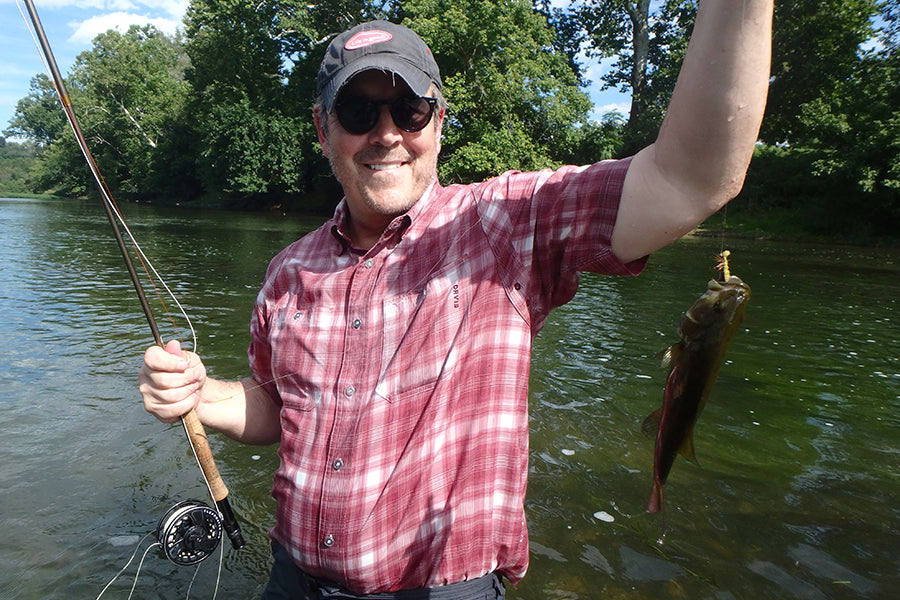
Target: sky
(70,26)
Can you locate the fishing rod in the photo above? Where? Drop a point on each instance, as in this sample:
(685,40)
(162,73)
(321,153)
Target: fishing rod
(189,531)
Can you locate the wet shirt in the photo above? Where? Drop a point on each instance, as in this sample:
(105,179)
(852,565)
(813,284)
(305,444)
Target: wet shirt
(402,373)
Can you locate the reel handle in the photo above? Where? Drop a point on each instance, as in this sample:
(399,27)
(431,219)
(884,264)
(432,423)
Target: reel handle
(197,436)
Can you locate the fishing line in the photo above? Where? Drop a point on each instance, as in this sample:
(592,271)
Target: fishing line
(141,564)
(127,564)
(195,529)
(107,196)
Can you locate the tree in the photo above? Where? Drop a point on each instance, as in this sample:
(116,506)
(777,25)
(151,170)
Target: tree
(816,45)
(16,162)
(515,102)
(890,15)
(38,116)
(255,140)
(854,133)
(648,40)
(133,99)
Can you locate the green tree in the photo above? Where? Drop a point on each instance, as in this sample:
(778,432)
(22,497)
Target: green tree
(648,40)
(38,115)
(816,46)
(515,102)
(39,118)
(128,94)
(255,140)
(854,133)
(133,98)
(16,163)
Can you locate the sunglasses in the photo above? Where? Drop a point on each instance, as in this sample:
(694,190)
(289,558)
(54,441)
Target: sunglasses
(359,115)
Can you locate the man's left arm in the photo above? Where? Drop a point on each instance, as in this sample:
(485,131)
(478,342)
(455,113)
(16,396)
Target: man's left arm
(706,141)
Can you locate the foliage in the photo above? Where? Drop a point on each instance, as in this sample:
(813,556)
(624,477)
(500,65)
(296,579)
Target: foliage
(889,11)
(515,102)
(39,119)
(816,45)
(855,132)
(16,162)
(127,92)
(648,41)
(223,113)
(38,116)
(132,92)
(252,139)
(784,197)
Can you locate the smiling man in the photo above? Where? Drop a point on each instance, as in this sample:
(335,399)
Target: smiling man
(384,166)
(390,348)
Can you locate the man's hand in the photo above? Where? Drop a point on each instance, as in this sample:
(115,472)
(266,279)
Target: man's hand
(170,381)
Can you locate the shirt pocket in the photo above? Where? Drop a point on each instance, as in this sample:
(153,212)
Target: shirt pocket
(422,333)
(298,355)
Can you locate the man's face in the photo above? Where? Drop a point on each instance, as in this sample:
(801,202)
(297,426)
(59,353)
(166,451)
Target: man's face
(386,170)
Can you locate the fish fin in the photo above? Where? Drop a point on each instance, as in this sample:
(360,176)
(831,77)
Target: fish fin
(650,426)
(664,356)
(656,498)
(687,448)
(668,356)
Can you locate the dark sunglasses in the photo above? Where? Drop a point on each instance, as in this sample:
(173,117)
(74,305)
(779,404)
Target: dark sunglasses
(359,115)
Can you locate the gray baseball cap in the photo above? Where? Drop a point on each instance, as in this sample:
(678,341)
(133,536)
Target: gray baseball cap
(376,45)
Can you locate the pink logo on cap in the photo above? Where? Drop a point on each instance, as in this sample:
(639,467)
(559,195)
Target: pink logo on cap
(367,38)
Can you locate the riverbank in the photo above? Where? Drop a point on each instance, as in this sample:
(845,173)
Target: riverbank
(791,225)
(735,221)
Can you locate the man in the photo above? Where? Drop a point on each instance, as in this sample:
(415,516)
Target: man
(390,348)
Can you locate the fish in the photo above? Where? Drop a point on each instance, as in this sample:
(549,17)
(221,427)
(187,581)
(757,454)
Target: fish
(706,330)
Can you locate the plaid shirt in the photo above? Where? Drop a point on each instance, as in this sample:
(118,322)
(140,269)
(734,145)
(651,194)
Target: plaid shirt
(403,375)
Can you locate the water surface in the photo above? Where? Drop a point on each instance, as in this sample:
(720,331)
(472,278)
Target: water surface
(795,495)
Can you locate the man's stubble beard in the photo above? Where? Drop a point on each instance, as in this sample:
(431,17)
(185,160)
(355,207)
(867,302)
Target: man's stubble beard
(377,201)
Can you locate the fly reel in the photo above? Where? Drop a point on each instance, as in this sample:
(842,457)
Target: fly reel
(189,532)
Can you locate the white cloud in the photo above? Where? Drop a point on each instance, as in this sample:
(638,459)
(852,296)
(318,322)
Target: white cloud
(86,31)
(623,108)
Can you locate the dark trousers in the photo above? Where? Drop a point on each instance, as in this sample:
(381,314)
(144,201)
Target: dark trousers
(287,582)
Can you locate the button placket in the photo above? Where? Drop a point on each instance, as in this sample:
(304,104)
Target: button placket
(349,376)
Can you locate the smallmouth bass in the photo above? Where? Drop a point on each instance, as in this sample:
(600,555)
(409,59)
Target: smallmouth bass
(706,330)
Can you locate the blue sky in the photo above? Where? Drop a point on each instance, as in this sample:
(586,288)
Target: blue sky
(70,26)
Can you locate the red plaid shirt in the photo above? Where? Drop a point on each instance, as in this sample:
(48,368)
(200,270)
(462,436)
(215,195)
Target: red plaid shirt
(403,375)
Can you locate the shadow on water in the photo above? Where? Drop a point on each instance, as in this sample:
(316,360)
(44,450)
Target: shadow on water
(795,495)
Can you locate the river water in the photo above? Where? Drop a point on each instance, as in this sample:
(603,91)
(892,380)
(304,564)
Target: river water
(795,495)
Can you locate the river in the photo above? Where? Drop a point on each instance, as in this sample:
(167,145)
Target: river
(795,495)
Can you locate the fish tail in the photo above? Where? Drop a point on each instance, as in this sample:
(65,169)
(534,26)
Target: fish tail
(656,498)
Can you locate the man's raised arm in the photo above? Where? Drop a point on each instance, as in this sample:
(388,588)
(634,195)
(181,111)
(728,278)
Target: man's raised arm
(706,141)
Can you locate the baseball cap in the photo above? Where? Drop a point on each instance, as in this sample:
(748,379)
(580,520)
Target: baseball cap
(376,45)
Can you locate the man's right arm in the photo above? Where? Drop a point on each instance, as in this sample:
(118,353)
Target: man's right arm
(174,382)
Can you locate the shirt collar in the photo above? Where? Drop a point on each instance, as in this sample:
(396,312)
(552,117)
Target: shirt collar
(394,231)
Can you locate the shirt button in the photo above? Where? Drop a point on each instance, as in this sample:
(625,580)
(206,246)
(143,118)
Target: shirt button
(350,391)
(337,465)
(357,323)
(369,262)
(328,542)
